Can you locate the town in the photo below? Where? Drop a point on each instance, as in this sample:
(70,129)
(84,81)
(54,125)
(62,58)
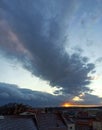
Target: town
(18,116)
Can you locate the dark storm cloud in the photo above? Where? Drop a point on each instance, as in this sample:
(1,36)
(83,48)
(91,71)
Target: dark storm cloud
(37,33)
(12,93)
(90,99)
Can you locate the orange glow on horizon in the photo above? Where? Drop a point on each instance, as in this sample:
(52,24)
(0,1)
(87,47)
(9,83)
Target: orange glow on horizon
(67,105)
(78,105)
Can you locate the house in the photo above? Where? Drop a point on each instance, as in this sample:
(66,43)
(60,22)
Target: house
(17,123)
(83,124)
(27,113)
(50,121)
(69,122)
(97,125)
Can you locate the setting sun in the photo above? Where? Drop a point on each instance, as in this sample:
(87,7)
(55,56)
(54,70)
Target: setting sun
(78,105)
(67,105)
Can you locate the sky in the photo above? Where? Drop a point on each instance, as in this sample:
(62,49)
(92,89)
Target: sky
(50,52)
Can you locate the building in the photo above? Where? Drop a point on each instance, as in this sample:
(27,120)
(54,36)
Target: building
(82,114)
(17,123)
(97,125)
(69,122)
(83,124)
(50,121)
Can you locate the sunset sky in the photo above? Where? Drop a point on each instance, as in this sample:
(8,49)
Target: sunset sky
(51,52)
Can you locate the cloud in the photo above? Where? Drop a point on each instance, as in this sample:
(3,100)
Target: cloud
(91,15)
(12,93)
(90,99)
(37,32)
(99,60)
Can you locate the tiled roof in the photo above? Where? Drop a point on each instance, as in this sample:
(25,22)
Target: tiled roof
(50,121)
(14,123)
